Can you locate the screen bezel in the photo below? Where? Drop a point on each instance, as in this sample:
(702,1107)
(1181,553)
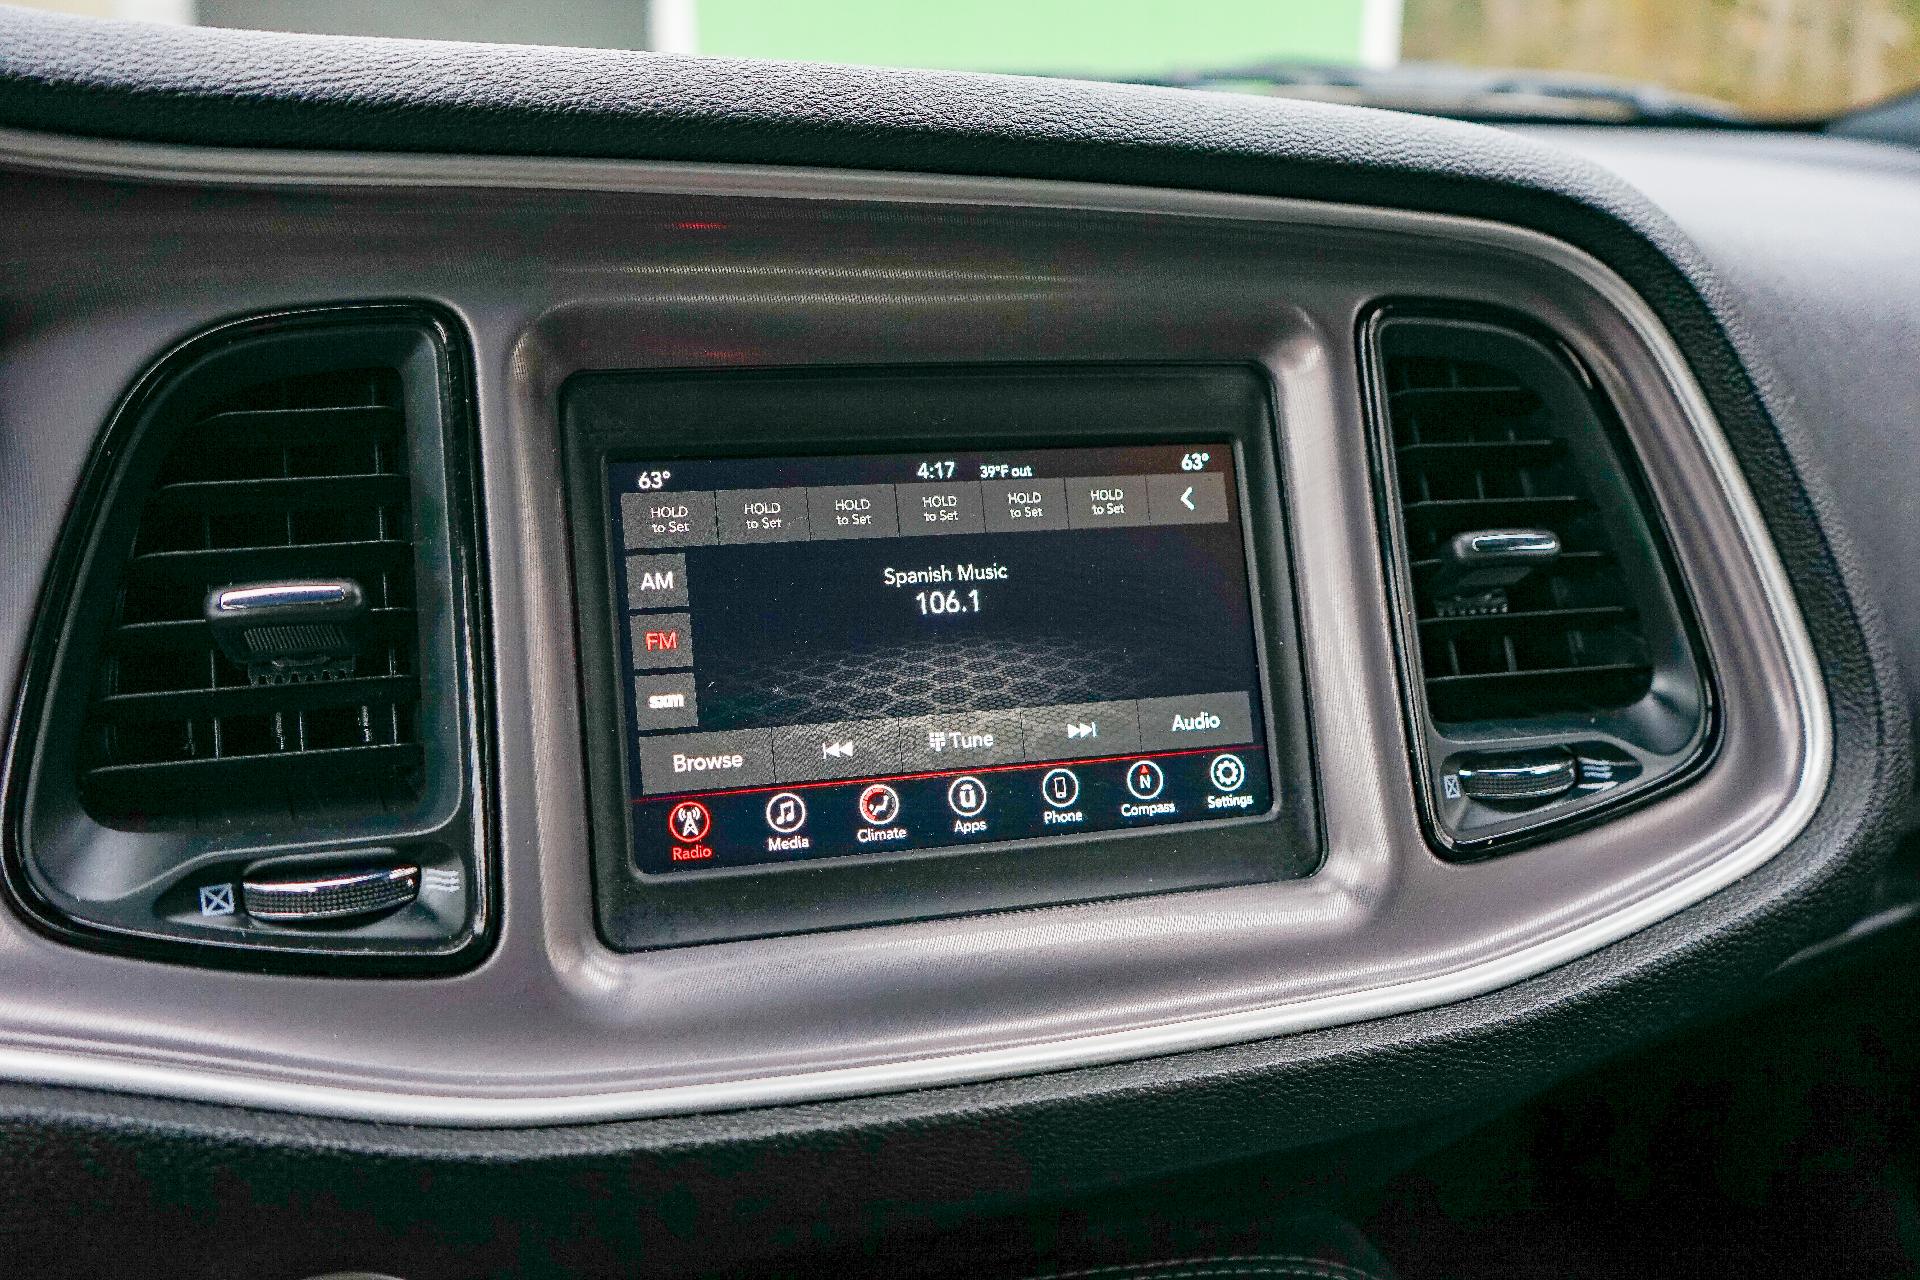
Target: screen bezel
(614,416)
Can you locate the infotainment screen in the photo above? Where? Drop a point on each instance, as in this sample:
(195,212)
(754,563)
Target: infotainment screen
(864,655)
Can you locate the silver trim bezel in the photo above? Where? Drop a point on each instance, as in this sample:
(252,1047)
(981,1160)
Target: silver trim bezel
(54,1065)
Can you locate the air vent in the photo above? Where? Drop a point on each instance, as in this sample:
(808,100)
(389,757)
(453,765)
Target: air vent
(1548,653)
(301,478)
(1477,449)
(258,659)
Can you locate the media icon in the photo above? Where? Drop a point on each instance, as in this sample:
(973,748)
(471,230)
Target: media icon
(879,804)
(1060,787)
(689,821)
(967,796)
(1144,779)
(786,813)
(1228,772)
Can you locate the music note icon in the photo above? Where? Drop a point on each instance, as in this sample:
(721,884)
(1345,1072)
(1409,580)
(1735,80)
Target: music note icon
(786,813)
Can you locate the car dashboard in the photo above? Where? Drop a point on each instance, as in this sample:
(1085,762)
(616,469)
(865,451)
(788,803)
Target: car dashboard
(656,617)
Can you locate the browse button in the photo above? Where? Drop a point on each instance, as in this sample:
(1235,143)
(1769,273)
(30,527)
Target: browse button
(705,761)
(1203,720)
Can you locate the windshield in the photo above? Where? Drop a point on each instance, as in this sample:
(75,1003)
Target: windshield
(1557,59)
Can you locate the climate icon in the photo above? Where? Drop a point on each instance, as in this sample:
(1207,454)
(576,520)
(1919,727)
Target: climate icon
(879,804)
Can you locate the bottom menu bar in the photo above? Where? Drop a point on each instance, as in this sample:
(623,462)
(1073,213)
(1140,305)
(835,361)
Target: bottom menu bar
(869,815)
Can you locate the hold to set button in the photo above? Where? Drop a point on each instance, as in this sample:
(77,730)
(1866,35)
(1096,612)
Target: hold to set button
(667,519)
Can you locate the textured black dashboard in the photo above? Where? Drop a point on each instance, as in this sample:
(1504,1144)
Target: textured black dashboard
(1813,240)
(315,1193)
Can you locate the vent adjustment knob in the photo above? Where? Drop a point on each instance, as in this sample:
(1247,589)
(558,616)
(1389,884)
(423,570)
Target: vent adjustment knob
(339,895)
(1517,777)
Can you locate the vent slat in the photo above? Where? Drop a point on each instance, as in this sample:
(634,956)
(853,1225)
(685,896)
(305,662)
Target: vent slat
(321,425)
(185,704)
(306,559)
(294,493)
(1479,452)
(1509,399)
(1567,560)
(190,634)
(270,769)
(1542,675)
(1497,510)
(1597,617)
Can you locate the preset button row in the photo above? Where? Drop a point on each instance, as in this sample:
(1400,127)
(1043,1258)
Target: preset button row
(738,517)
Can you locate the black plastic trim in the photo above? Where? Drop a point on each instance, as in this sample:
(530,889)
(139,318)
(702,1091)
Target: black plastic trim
(1558,819)
(712,1191)
(288,951)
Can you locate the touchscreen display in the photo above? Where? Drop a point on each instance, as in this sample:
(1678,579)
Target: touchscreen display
(835,656)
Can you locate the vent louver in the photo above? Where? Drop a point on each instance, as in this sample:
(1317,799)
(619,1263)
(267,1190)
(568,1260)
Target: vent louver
(258,662)
(1478,446)
(303,477)
(1550,665)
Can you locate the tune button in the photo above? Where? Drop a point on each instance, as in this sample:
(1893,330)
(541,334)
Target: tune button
(1144,779)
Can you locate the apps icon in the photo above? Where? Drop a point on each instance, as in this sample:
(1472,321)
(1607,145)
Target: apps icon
(967,796)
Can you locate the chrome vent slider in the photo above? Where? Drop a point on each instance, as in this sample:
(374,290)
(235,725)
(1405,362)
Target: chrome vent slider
(289,631)
(1477,569)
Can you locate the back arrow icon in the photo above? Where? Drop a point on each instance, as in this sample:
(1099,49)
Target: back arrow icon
(1186,499)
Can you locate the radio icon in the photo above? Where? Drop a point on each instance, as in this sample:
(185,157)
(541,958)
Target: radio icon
(786,813)
(689,820)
